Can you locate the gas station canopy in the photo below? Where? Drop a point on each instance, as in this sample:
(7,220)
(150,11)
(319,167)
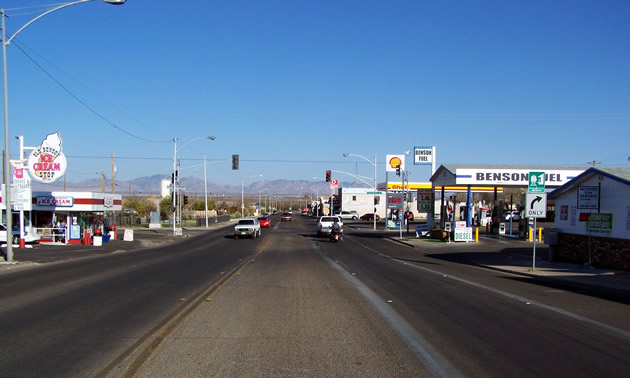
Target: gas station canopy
(500,176)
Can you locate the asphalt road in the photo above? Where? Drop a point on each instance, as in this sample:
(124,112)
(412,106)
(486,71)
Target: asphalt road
(292,304)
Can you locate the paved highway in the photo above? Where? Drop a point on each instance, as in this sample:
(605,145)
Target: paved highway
(292,304)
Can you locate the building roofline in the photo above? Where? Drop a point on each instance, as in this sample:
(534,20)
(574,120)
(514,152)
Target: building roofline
(606,172)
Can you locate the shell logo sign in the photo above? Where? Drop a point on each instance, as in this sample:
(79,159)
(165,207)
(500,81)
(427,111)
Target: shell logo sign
(395,161)
(47,163)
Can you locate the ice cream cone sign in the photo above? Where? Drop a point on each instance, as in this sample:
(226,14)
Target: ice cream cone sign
(47,163)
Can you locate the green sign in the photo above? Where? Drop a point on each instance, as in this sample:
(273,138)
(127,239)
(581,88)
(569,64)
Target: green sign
(424,200)
(536,182)
(374,192)
(600,222)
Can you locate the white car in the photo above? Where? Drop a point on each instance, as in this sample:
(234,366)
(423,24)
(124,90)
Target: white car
(15,238)
(348,215)
(248,227)
(324,225)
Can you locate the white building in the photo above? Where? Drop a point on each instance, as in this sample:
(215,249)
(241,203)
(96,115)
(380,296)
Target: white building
(593,214)
(165,187)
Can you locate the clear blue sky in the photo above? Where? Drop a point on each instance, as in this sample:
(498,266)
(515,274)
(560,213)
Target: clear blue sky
(292,85)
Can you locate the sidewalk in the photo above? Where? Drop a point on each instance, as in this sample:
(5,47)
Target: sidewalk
(143,238)
(514,256)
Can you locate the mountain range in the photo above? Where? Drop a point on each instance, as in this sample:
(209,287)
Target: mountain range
(195,186)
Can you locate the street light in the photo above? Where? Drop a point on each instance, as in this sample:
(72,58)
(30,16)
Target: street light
(374,164)
(7,157)
(317,196)
(243,193)
(175,178)
(205,189)
(259,203)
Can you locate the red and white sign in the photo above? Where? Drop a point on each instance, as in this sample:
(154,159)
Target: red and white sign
(54,201)
(47,163)
(394,161)
(334,184)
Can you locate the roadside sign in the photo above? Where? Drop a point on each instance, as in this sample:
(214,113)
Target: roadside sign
(536,205)
(588,197)
(374,192)
(463,234)
(600,222)
(395,201)
(536,182)
(334,184)
(424,200)
(423,155)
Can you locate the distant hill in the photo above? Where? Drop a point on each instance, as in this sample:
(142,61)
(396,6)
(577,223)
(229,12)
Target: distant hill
(195,186)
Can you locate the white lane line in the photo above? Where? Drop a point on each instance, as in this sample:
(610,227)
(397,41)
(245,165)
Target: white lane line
(594,323)
(436,364)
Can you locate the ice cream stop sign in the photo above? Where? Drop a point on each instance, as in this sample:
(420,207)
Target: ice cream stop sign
(47,163)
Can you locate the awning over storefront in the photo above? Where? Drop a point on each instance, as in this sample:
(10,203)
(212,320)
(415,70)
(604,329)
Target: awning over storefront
(74,201)
(500,176)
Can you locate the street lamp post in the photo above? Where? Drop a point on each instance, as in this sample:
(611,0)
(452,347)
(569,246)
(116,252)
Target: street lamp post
(317,195)
(175,178)
(7,165)
(259,203)
(205,189)
(374,164)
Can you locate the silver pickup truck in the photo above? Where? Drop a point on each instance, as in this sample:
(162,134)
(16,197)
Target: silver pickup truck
(247,227)
(324,225)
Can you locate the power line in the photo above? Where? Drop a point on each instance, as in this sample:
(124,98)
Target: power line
(94,93)
(218,160)
(83,103)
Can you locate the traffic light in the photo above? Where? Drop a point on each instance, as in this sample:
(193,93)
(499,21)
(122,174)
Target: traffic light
(234,162)
(376,200)
(398,171)
(185,200)
(328,176)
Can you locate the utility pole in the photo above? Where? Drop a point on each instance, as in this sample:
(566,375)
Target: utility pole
(593,163)
(102,181)
(113,172)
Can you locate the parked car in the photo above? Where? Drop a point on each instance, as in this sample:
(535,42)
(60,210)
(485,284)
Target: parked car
(515,215)
(264,221)
(369,217)
(409,215)
(247,227)
(286,217)
(324,225)
(348,215)
(15,237)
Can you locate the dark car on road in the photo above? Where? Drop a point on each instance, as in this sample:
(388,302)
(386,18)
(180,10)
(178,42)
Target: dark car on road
(369,217)
(286,217)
